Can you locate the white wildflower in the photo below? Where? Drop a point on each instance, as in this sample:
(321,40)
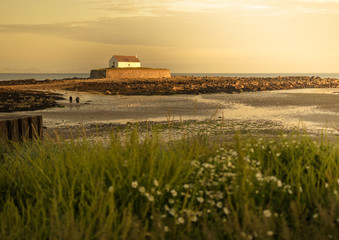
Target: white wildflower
(174,193)
(142,189)
(150,198)
(156,183)
(269,233)
(315,216)
(200,199)
(267,213)
(171,201)
(159,193)
(219,204)
(258,176)
(212,202)
(111,189)
(226,211)
(186,186)
(172,212)
(279,183)
(181,220)
(134,184)
(194,218)
(166,229)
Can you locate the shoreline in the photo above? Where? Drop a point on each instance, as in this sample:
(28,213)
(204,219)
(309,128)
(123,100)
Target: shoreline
(40,93)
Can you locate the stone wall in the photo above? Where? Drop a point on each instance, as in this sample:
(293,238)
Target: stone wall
(98,73)
(130,73)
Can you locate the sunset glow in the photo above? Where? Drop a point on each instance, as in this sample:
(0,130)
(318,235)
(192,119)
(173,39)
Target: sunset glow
(185,36)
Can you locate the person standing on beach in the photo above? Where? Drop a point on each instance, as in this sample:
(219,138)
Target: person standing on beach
(70,99)
(77,100)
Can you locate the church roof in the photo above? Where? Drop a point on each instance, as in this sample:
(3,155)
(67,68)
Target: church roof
(126,58)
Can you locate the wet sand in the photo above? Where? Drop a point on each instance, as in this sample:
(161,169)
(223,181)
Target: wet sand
(313,108)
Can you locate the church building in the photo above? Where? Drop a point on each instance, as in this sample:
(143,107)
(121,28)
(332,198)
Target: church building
(118,61)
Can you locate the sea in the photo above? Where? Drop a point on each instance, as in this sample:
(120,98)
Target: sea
(52,76)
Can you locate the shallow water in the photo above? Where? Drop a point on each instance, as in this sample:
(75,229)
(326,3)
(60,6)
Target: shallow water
(312,108)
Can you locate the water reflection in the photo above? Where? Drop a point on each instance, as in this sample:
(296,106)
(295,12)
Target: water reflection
(314,107)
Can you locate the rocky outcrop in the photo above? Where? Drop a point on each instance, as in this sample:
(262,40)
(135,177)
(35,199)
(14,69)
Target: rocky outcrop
(13,100)
(196,85)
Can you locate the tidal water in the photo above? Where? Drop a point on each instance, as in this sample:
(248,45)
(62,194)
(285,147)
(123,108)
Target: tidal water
(314,108)
(41,76)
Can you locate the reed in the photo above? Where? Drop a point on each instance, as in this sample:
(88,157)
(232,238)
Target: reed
(199,187)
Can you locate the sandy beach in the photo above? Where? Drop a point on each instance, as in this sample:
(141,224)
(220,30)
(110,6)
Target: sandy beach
(313,108)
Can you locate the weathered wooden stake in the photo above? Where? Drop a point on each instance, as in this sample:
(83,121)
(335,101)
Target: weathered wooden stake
(17,128)
(3,130)
(23,128)
(13,129)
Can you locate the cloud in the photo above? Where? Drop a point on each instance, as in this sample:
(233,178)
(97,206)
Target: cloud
(143,30)
(220,28)
(319,1)
(128,8)
(307,6)
(261,24)
(132,8)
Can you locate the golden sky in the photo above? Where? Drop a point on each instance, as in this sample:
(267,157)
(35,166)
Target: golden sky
(225,36)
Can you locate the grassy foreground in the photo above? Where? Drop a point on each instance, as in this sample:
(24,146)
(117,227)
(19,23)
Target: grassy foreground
(199,187)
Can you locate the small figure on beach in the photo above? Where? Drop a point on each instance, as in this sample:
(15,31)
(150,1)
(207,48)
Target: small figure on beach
(77,100)
(70,99)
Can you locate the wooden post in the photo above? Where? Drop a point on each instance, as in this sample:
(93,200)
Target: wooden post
(3,130)
(35,127)
(32,123)
(23,128)
(13,129)
(39,127)
(17,128)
